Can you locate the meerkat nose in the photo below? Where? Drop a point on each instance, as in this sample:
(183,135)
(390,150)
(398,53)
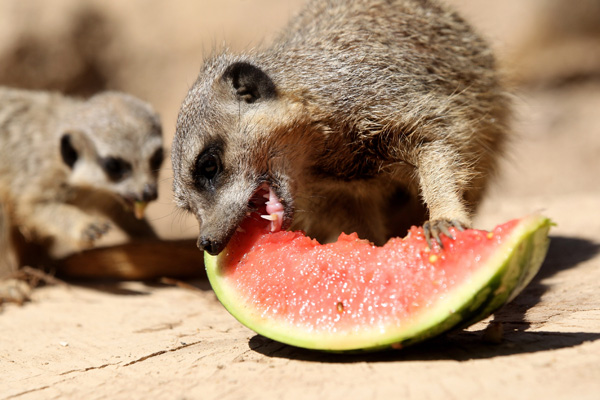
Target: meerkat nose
(150,192)
(213,247)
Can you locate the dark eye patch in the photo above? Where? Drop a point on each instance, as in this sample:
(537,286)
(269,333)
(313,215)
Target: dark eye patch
(67,151)
(157,159)
(116,168)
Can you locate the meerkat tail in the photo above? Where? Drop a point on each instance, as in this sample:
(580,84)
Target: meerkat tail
(136,260)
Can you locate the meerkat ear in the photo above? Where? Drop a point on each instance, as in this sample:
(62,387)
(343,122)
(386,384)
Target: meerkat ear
(250,83)
(73,145)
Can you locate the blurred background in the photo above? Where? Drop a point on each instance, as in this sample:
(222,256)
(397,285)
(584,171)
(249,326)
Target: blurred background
(153,49)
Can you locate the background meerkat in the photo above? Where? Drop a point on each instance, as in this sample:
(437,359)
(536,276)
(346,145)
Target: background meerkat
(70,169)
(364,116)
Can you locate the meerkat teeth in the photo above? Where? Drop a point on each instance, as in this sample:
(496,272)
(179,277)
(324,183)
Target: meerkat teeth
(139,208)
(240,229)
(270,217)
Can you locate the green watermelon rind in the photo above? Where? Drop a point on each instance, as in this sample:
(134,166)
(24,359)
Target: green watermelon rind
(507,272)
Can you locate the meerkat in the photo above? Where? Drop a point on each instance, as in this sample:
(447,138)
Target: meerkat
(70,169)
(363,116)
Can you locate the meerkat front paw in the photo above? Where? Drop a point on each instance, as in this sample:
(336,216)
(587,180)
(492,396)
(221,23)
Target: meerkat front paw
(433,229)
(93,231)
(14,291)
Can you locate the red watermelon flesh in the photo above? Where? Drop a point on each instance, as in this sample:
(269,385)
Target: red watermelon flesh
(352,295)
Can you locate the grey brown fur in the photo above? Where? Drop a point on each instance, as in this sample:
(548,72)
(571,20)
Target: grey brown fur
(364,115)
(55,191)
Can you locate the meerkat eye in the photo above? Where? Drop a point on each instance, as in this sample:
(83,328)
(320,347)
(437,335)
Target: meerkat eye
(116,168)
(156,159)
(208,165)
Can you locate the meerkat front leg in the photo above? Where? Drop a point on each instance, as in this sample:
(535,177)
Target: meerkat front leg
(8,257)
(443,178)
(11,289)
(66,224)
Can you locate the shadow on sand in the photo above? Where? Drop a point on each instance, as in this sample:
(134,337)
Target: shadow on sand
(459,346)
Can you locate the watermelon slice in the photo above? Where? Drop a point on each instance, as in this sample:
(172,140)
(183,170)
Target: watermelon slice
(352,295)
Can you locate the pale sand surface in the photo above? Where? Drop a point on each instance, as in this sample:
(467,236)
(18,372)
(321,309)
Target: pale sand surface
(107,340)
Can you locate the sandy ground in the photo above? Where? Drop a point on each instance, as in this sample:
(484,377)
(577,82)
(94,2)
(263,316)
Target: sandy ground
(130,340)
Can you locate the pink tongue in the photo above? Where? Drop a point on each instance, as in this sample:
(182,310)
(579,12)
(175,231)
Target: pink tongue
(274,210)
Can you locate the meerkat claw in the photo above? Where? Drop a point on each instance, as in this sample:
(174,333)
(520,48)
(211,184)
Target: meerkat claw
(95,231)
(458,225)
(433,230)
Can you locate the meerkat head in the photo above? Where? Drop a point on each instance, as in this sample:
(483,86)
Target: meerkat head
(113,143)
(238,136)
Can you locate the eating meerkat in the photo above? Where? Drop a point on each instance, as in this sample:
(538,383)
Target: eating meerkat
(363,116)
(71,169)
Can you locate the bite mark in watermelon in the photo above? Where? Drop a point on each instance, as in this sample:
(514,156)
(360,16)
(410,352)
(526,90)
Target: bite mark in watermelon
(352,295)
